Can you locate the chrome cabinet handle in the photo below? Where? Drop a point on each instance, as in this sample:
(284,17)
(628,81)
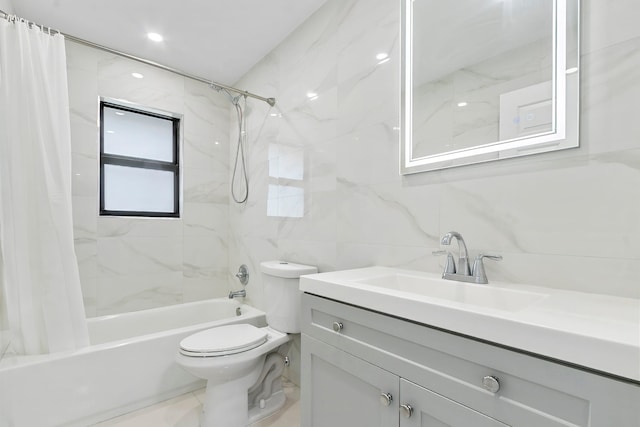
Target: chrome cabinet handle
(406,411)
(338,326)
(386,399)
(491,383)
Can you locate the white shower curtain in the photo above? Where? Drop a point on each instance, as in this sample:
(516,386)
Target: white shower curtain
(40,272)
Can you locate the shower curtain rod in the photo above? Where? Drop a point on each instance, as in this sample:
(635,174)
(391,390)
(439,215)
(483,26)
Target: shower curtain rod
(211,83)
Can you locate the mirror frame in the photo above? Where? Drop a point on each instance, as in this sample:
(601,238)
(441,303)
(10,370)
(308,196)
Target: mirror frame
(565,97)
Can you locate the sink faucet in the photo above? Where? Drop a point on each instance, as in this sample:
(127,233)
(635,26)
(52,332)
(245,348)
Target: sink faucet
(235,294)
(463,255)
(463,272)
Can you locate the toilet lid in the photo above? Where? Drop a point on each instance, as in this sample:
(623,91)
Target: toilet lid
(224,340)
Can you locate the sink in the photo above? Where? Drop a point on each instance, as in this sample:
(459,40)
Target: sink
(487,296)
(597,331)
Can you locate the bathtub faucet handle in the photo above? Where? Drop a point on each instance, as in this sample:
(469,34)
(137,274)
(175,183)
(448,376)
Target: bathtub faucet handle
(243,274)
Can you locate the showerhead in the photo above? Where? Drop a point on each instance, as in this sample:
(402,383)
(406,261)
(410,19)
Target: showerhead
(271,101)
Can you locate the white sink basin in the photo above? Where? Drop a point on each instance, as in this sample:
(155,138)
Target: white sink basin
(597,331)
(458,292)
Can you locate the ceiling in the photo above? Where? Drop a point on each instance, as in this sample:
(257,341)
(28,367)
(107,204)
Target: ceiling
(217,40)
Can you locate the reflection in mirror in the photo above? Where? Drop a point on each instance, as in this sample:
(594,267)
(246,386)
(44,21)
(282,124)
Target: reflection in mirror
(487,79)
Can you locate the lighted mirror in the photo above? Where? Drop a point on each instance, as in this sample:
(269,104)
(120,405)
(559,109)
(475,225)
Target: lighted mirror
(484,80)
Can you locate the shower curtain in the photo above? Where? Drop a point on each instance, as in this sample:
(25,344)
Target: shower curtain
(39,275)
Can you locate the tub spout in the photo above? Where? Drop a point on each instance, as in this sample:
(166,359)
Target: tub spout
(235,294)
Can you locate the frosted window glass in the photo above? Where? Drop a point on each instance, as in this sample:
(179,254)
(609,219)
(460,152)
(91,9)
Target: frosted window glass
(138,190)
(131,134)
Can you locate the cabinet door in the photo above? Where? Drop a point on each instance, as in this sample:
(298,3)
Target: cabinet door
(340,390)
(429,409)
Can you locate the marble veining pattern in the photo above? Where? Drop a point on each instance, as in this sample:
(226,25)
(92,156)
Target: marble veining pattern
(566,219)
(129,264)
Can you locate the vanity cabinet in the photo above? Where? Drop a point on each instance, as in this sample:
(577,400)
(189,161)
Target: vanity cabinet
(363,368)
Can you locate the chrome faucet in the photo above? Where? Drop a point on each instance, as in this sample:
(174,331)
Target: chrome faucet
(236,294)
(462,272)
(463,255)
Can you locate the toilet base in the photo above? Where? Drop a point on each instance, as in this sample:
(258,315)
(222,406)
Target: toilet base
(225,405)
(272,405)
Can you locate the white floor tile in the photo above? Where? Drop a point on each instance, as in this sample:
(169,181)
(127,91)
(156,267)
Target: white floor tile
(184,411)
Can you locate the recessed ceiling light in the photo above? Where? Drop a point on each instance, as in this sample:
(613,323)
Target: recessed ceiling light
(137,75)
(155,37)
(462,104)
(312,95)
(382,56)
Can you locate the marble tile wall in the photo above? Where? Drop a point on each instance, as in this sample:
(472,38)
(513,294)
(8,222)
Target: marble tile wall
(565,220)
(129,264)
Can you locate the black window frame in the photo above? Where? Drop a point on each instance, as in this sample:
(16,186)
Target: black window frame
(141,163)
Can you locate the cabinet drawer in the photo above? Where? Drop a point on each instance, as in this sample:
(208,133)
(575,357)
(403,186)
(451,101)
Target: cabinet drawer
(528,391)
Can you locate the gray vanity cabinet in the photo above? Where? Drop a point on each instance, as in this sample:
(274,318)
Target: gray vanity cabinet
(344,389)
(433,410)
(362,368)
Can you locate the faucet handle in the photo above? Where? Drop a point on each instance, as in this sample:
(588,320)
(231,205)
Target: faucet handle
(449,265)
(478,272)
(493,257)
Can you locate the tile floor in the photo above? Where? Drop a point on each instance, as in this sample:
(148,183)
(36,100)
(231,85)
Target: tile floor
(183,411)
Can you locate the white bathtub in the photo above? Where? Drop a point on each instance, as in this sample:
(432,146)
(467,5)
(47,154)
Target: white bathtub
(129,365)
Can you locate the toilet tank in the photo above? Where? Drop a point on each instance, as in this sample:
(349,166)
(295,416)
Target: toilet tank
(281,281)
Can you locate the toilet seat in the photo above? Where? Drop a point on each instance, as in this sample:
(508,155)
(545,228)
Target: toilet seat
(223,341)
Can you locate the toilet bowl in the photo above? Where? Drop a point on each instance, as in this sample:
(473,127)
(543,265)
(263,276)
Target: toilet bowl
(232,358)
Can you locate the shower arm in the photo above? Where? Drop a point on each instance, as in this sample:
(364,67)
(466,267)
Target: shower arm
(270,101)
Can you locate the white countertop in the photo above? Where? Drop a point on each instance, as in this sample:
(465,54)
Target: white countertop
(595,331)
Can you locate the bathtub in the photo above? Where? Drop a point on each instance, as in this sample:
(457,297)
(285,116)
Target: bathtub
(129,365)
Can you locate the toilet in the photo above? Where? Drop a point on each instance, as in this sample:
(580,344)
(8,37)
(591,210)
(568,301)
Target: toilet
(241,362)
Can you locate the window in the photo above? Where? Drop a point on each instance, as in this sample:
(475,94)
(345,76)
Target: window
(139,170)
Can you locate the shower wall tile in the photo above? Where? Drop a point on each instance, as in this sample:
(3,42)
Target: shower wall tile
(205,185)
(131,227)
(136,263)
(251,252)
(158,89)
(139,255)
(206,129)
(205,286)
(84,175)
(131,292)
(82,68)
